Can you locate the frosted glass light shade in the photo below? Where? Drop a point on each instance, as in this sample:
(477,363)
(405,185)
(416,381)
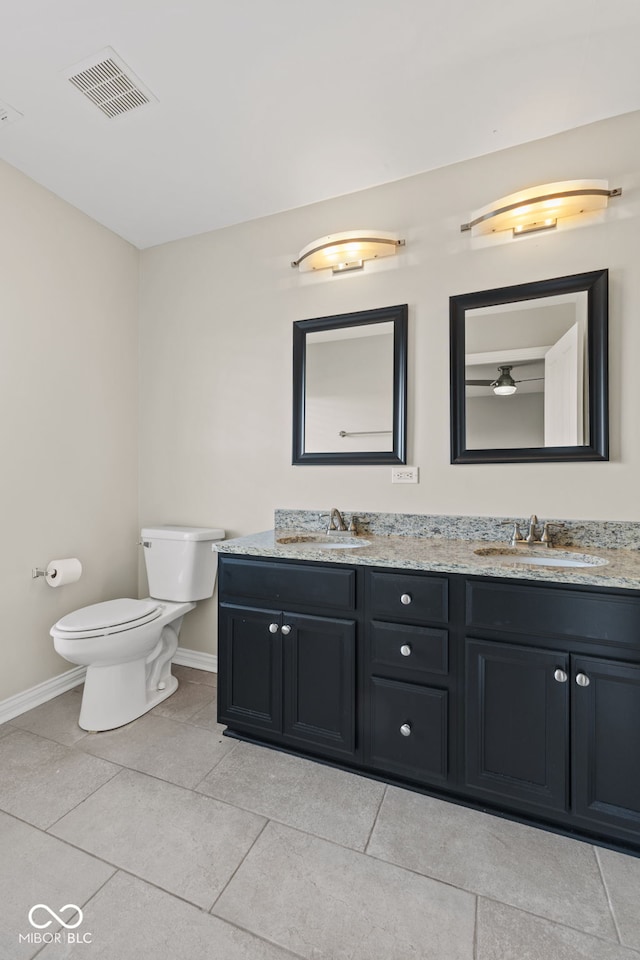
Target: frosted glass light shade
(346,251)
(540,208)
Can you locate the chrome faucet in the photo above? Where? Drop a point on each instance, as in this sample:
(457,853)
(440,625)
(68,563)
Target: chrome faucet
(336,521)
(534,536)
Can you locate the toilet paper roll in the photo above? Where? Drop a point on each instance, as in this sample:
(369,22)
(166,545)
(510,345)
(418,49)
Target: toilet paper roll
(60,572)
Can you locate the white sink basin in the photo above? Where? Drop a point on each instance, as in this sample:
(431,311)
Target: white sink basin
(322,541)
(551,557)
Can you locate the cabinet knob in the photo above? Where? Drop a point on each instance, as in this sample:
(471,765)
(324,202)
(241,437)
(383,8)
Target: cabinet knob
(405,729)
(405,598)
(560,676)
(582,680)
(273,628)
(286,629)
(405,650)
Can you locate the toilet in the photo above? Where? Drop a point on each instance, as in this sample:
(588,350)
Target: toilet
(127,645)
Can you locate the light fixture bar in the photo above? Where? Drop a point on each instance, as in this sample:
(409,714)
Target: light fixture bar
(539,208)
(346,251)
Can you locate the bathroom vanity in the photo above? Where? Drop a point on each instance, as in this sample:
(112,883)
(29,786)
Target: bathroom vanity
(516,690)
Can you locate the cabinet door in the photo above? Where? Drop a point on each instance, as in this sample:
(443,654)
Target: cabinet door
(606,742)
(517,734)
(319,681)
(408,732)
(250,668)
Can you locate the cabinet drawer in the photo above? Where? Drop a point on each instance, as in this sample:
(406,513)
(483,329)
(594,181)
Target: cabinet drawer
(288,583)
(408,598)
(547,612)
(399,650)
(421,712)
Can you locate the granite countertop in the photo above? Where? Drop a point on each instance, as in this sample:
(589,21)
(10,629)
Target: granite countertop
(622,569)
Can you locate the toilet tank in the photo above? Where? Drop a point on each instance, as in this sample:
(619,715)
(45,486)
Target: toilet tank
(181,562)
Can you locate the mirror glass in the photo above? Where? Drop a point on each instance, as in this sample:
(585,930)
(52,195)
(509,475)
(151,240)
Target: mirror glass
(350,388)
(529,372)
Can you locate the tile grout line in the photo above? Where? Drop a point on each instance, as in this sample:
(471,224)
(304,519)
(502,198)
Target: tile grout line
(257,837)
(475,928)
(608,896)
(84,799)
(375,820)
(224,756)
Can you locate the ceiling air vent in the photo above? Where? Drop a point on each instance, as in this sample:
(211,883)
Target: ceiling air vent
(109,84)
(8,114)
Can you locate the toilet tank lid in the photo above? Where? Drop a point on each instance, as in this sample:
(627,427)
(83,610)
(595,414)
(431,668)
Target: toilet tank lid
(173,532)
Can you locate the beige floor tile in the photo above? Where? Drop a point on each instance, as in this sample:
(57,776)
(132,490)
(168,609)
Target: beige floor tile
(546,874)
(505,933)
(188,699)
(130,920)
(36,868)
(323,801)
(189,674)
(208,718)
(329,903)
(42,780)
(57,719)
(184,842)
(622,878)
(173,751)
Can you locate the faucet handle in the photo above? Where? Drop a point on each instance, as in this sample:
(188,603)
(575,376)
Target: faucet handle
(546,536)
(516,536)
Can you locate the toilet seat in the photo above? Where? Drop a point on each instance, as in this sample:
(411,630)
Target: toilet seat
(102,619)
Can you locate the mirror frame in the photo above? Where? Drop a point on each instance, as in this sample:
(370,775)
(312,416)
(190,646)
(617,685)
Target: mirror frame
(398,316)
(595,284)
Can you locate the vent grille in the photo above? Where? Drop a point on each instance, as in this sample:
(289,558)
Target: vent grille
(8,114)
(109,84)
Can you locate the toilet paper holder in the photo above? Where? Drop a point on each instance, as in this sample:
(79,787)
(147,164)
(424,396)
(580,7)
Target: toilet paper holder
(38,572)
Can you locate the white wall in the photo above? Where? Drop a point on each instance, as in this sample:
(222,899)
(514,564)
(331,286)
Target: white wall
(68,432)
(216,321)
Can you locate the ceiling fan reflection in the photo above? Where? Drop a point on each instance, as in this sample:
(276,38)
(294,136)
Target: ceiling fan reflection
(503,385)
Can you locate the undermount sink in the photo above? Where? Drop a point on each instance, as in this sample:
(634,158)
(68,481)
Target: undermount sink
(322,541)
(551,558)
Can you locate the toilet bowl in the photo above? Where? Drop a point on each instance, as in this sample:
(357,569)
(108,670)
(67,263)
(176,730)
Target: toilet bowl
(127,645)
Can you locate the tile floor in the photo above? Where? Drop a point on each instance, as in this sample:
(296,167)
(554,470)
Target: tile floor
(181,844)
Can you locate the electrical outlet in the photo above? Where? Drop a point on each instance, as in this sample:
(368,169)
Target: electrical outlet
(404,474)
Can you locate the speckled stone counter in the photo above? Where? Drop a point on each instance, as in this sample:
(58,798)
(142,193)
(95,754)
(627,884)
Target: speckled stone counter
(446,554)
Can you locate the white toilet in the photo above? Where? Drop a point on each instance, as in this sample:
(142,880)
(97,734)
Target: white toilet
(127,645)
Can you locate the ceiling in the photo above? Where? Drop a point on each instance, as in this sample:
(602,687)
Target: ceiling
(267,105)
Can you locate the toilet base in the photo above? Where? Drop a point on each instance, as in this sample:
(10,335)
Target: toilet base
(111,700)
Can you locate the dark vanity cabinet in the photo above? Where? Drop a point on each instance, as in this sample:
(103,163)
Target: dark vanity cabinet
(409,715)
(552,703)
(517,696)
(286,674)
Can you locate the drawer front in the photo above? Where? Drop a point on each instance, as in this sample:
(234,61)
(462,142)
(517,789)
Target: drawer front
(406,652)
(288,583)
(408,734)
(407,598)
(545,612)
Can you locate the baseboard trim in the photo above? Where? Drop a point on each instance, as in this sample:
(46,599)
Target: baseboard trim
(196,659)
(41,693)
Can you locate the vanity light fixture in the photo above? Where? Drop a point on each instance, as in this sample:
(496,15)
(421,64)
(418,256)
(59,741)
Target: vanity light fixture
(347,251)
(540,208)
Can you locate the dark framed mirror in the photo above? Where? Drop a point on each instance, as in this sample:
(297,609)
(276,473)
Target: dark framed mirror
(529,372)
(350,388)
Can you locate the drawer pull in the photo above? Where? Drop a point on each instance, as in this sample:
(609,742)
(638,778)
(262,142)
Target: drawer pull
(582,680)
(405,729)
(286,629)
(405,598)
(560,676)
(273,628)
(405,650)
